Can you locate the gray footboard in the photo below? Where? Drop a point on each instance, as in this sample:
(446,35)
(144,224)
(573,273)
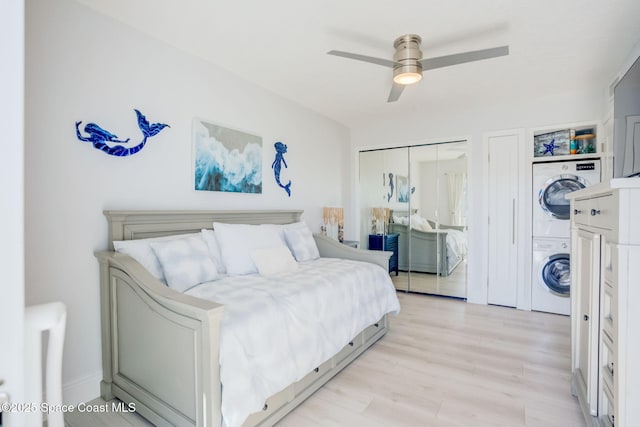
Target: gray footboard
(429,250)
(159,347)
(330,248)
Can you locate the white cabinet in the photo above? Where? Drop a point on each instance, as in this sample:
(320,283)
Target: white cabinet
(605,256)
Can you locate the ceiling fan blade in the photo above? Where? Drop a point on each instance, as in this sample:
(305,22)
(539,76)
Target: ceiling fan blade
(461,58)
(365,58)
(396,91)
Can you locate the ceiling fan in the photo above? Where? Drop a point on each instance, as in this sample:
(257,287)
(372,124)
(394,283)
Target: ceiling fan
(408,64)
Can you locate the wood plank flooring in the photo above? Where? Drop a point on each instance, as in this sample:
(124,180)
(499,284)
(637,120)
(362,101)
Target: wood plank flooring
(454,285)
(444,363)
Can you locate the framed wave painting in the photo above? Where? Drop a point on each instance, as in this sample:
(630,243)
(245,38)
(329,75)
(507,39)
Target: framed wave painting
(402,189)
(226,159)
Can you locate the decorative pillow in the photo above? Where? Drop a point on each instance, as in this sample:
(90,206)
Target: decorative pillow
(301,242)
(185,262)
(400,220)
(419,223)
(236,242)
(209,237)
(272,261)
(141,251)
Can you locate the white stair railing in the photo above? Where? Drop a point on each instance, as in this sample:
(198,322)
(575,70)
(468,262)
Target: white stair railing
(50,317)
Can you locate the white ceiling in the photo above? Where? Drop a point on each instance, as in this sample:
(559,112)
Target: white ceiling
(281,45)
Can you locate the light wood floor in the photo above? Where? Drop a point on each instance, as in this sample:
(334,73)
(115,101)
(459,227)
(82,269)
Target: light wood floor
(453,285)
(443,363)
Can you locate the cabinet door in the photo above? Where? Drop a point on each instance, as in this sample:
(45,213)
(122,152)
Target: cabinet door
(586,283)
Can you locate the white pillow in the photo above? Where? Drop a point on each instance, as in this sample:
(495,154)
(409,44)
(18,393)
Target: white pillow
(209,237)
(301,242)
(272,261)
(141,251)
(185,262)
(238,240)
(400,219)
(419,223)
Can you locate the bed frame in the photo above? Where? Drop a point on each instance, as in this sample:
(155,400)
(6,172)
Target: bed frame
(428,250)
(160,348)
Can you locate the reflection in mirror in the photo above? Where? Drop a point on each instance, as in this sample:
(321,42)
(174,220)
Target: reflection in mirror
(384,181)
(438,243)
(427,211)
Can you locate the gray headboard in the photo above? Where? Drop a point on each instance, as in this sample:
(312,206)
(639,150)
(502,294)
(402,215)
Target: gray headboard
(131,225)
(401,213)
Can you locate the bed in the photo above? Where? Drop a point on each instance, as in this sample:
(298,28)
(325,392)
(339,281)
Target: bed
(436,251)
(161,348)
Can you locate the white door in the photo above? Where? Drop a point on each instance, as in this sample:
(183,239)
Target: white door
(503,201)
(11,200)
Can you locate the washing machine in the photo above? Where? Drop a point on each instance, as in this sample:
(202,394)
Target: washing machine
(551,276)
(551,182)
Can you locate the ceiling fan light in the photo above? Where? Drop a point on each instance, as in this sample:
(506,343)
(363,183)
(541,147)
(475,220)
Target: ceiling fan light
(407,78)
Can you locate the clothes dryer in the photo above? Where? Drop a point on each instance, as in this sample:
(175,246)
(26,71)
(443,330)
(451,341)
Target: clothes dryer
(551,182)
(551,276)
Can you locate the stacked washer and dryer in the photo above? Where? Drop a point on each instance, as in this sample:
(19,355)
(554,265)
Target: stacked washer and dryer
(551,276)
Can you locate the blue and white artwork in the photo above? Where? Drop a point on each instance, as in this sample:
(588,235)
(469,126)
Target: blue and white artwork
(402,189)
(109,143)
(226,159)
(277,166)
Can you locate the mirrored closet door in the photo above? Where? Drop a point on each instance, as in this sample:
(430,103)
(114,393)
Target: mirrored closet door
(413,202)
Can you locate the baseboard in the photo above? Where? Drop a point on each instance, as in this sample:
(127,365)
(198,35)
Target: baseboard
(82,389)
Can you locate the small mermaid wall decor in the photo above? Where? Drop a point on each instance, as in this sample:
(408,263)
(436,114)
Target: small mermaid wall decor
(100,137)
(390,194)
(277,165)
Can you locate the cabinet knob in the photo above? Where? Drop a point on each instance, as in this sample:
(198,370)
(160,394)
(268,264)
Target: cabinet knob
(595,212)
(586,317)
(577,211)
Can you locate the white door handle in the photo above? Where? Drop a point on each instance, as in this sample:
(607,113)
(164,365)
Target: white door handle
(513,222)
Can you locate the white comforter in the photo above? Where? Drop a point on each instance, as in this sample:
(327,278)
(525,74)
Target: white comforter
(456,243)
(276,330)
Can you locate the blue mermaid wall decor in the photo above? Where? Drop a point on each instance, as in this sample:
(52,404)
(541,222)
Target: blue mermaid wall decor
(281,149)
(390,193)
(100,137)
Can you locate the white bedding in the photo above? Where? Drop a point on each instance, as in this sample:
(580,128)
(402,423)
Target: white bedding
(276,330)
(456,244)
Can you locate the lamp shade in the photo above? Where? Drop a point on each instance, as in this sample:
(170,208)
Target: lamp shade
(333,222)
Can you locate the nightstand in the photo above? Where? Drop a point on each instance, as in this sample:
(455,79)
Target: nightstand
(386,242)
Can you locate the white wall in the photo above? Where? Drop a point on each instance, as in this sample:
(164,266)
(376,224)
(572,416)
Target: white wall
(471,118)
(84,66)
